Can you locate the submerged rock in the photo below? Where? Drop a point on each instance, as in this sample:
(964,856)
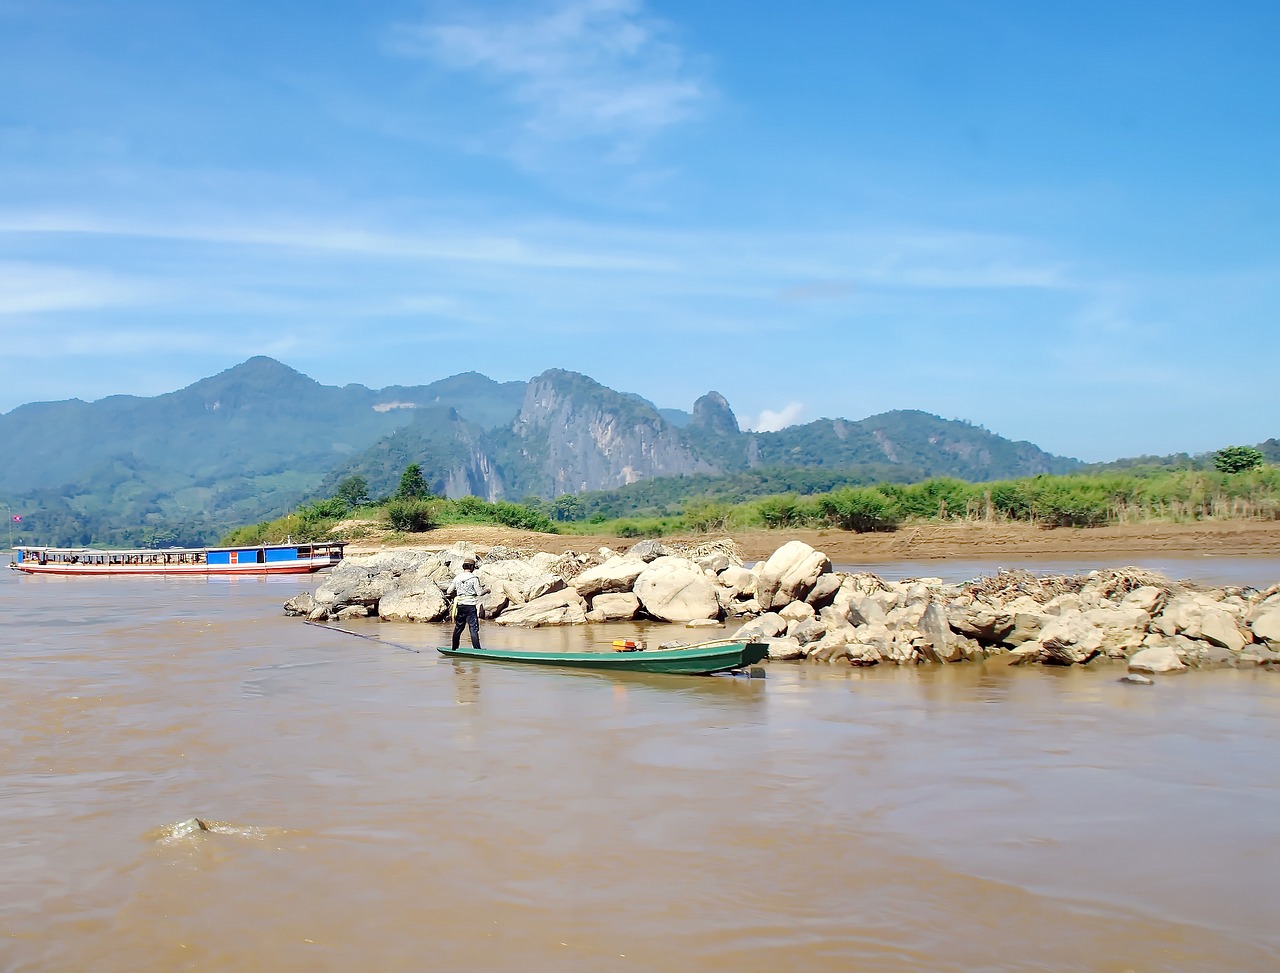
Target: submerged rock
(1136,679)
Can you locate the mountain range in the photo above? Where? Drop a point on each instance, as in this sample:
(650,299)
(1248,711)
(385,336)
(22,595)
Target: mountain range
(255,440)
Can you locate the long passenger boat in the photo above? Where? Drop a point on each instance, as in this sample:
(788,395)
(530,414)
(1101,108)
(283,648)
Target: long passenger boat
(240,560)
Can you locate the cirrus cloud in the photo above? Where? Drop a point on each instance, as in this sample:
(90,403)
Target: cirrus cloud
(584,68)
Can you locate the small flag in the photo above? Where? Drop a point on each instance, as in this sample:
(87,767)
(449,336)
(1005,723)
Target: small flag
(17,518)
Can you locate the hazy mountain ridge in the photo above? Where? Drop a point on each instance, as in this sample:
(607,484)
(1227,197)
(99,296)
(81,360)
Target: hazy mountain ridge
(252,441)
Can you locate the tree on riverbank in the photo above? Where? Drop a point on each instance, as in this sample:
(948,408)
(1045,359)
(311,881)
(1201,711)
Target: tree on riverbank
(1237,459)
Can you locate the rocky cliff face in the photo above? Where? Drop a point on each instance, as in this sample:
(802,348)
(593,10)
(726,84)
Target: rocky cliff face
(476,476)
(712,413)
(573,434)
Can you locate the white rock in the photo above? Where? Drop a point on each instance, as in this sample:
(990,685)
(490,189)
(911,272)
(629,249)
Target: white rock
(1220,628)
(422,601)
(768,625)
(782,649)
(1156,659)
(1266,626)
(1146,598)
(739,579)
(614,575)
(614,606)
(797,611)
(564,607)
(676,590)
(789,574)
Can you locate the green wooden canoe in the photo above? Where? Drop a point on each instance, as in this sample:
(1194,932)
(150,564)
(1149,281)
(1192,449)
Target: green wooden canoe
(694,660)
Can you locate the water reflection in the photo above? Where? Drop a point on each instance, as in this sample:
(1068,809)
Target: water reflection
(466,682)
(729,688)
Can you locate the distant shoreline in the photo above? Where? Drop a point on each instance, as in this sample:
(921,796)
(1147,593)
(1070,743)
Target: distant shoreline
(925,542)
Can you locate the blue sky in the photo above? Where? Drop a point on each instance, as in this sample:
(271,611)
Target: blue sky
(1059,221)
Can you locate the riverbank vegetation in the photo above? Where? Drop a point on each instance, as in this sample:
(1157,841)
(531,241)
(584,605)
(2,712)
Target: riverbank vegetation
(1242,487)
(352,515)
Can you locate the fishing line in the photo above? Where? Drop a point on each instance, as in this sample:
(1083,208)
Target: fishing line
(361,635)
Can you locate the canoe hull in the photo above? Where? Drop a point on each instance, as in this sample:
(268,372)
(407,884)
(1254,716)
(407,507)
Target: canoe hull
(691,661)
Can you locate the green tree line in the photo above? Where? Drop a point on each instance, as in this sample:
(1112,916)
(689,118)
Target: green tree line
(1239,488)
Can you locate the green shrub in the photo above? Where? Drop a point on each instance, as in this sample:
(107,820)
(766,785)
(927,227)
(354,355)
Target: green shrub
(332,509)
(638,530)
(707,516)
(1064,504)
(413,516)
(469,506)
(521,517)
(780,511)
(860,509)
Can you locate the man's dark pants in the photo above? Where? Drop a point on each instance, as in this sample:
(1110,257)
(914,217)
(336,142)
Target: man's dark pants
(468,617)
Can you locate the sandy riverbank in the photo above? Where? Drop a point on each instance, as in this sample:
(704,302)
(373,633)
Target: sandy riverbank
(927,542)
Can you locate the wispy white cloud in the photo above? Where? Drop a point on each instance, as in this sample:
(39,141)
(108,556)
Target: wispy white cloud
(771,421)
(502,247)
(577,69)
(27,288)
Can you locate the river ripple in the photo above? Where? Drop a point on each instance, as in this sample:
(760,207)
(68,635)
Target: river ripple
(375,808)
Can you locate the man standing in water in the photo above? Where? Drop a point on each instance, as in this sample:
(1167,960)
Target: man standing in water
(468,590)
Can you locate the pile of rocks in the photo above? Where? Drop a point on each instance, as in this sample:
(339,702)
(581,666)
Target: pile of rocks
(797,604)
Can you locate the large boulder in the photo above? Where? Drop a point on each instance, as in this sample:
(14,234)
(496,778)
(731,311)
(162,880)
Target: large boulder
(495,602)
(564,607)
(422,601)
(790,574)
(825,589)
(1123,628)
(797,611)
(768,625)
(1147,598)
(302,604)
(807,630)
(739,580)
(982,623)
(363,581)
(1066,640)
(674,589)
(616,574)
(1219,627)
(938,641)
(647,550)
(1027,626)
(1156,658)
(783,649)
(521,580)
(1266,627)
(615,606)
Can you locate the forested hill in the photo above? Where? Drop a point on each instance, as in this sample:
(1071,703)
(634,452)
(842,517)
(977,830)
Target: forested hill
(257,439)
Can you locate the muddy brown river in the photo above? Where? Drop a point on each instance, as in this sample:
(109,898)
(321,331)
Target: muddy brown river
(374,808)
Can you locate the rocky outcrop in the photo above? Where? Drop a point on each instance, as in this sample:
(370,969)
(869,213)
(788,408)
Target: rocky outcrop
(796,604)
(573,434)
